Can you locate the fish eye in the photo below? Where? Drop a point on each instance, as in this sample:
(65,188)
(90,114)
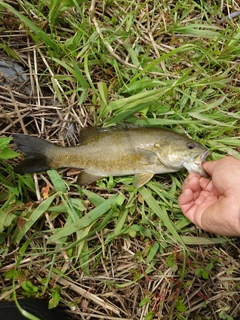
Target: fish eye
(190,145)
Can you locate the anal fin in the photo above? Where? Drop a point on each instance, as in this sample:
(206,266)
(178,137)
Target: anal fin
(142,178)
(85,178)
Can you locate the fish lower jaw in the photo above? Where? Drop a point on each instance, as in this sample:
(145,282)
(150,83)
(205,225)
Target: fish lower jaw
(192,166)
(204,156)
(197,168)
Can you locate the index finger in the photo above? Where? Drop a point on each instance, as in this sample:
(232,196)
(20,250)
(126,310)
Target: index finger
(191,182)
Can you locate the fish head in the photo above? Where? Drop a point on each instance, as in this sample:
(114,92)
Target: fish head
(183,152)
(195,163)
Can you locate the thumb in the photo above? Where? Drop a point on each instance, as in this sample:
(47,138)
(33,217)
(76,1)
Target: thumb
(209,166)
(223,165)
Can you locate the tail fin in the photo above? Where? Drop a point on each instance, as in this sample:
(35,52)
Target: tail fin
(37,153)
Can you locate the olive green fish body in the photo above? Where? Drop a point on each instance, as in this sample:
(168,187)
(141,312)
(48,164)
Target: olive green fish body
(117,151)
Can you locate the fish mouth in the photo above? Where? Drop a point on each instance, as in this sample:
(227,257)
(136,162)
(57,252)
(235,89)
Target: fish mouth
(205,155)
(203,158)
(200,158)
(199,161)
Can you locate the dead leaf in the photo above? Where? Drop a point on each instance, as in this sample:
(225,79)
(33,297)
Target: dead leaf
(45,191)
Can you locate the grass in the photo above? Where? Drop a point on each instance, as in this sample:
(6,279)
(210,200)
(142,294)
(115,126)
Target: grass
(109,251)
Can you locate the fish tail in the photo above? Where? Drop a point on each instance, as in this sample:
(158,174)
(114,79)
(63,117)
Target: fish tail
(37,154)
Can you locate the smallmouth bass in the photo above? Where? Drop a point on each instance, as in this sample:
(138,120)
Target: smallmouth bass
(116,151)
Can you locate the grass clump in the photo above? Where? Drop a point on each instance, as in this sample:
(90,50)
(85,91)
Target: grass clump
(109,251)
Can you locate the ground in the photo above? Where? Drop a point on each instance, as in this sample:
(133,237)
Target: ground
(108,250)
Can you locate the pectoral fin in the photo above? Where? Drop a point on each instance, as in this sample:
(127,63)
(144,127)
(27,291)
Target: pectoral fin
(85,178)
(142,178)
(146,157)
(166,163)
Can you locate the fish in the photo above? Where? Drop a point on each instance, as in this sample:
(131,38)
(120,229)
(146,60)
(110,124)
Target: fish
(115,151)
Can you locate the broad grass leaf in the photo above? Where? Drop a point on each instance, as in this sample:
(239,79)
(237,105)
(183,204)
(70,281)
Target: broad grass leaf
(152,253)
(93,197)
(200,30)
(29,287)
(123,115)
(208,119)
(39,33)
(8,154)
(75,71)
(142,97)
(36,214)
(85,221)
(57,181)
(5,220)
(56,295)
(102,88)
(4,142)
(132,54)
(191,240)
(161,213)
(164,57)
(235,41)
(157,122)
(120,223)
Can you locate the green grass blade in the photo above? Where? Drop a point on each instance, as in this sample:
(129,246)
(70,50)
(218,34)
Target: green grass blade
(39,33)
(88,219)
(161,213)
(57,181)
(36,214)
(200,30)
(190,240)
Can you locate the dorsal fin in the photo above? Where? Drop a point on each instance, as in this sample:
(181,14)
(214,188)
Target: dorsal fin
(88,133)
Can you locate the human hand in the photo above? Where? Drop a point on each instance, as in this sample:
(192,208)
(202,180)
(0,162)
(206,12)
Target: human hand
(214,204)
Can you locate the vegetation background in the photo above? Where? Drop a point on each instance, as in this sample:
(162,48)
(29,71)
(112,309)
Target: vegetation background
(109,251)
